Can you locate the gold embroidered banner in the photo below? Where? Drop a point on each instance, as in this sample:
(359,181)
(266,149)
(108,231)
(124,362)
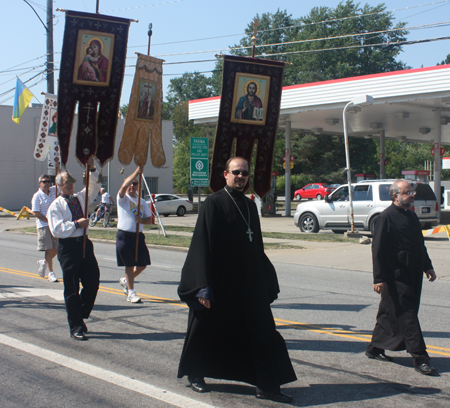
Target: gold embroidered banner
(143,124)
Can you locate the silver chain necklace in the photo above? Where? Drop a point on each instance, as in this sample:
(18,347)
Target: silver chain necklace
(249,231)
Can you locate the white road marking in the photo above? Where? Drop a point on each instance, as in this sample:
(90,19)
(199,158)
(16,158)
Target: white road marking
(105,375)
(15,292)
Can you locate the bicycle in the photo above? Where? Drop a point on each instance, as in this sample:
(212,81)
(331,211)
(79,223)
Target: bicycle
(103,213)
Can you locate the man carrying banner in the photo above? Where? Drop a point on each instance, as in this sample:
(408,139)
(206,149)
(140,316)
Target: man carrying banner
(46,242)
(67,223)
(129,215)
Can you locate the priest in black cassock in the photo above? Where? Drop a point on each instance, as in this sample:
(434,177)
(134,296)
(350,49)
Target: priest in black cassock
(399,260)
(229,283)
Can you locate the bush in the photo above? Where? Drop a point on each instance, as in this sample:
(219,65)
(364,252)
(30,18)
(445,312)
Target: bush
(297,181)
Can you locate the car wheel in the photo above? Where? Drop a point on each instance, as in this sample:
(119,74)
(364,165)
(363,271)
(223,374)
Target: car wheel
(166,215)
(338,231)
(372,223)
(298,197)
(181,211)
(308,223)
(319,196)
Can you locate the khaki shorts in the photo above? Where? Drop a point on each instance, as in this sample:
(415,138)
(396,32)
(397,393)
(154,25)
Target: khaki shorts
(46,240)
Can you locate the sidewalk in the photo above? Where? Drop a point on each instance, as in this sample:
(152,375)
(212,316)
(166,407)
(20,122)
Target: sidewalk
(339,255)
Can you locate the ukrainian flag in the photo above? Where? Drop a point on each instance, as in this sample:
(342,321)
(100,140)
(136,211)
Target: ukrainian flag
(22,99)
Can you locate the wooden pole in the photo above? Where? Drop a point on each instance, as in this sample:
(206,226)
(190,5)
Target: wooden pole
(255,24)
(138,213)
(86,203)
(149,37)
(97,8)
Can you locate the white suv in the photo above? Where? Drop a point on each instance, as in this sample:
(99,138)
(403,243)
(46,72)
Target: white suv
(370,198)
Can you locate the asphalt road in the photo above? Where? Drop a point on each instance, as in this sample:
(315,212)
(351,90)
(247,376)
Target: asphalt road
(325,315)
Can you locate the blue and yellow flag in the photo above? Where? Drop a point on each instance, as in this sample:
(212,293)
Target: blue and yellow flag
(22,99)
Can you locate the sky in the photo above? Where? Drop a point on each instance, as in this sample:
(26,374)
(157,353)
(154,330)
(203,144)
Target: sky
(186,34)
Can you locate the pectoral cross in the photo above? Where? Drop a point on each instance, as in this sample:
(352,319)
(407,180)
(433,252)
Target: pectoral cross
(255,24)
(249,232)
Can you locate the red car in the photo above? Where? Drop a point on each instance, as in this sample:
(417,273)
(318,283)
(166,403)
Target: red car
(315,190)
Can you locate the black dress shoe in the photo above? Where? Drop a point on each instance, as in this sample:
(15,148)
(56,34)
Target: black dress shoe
(198,384)
(79,335)
(379,356)
(273,396)
(425,369)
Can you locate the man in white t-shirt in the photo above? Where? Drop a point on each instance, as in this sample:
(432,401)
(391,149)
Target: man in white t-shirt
(129,215)
(105,204)
(46,242)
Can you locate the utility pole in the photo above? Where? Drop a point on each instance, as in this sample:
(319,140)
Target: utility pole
(50,60)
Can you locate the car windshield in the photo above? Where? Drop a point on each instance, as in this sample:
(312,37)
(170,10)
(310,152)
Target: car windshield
(424,192)
(326,185)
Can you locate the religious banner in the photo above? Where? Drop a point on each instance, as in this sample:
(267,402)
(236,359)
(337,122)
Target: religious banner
(143,124)
(249,111)
(92,69)
(47,145)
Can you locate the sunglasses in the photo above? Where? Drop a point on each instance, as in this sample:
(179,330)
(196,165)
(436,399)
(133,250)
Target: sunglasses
(134,183)
(245,173)
(45,181)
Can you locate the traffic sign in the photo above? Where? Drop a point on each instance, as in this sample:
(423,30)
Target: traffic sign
(385,162)
(441,150)
(199,162)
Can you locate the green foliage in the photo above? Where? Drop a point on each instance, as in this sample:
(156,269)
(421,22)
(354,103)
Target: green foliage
(446,61)
(124,109)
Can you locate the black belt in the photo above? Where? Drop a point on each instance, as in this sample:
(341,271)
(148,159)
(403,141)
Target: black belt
(128,233)
(74,239)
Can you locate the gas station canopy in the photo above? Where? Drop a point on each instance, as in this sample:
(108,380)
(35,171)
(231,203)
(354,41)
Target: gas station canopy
(407,105)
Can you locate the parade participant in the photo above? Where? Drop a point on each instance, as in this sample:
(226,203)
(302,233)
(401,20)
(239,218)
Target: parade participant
(67,223)
(46,242)
(399,260)
(229,283)
(129,216)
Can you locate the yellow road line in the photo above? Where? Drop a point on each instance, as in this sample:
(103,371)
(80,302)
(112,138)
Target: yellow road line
(279,322)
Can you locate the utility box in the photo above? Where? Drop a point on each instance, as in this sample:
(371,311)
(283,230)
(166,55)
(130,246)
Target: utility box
(270,200)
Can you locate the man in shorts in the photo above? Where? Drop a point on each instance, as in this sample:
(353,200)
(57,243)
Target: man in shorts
(46,242)
(129,216)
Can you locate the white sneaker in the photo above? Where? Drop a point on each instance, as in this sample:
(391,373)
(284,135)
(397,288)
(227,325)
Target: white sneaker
(133,298)
(52,277)
(42,265)
(123,282)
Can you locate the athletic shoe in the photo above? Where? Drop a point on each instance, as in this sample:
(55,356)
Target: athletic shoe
(52,277)
(42,265)
(133,298)
(123,282)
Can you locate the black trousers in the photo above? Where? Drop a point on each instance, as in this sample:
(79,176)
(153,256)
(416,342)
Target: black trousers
(75,269)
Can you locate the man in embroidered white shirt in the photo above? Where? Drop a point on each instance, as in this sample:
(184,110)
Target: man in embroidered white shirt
(67,222)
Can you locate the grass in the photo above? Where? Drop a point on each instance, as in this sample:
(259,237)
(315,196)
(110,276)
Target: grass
(184,241)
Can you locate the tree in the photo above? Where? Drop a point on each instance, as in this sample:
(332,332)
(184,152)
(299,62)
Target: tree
(446,61)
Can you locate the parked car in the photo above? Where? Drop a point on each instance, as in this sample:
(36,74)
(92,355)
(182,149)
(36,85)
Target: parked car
(335,185)
(315,190)
(370,198)
(167,204)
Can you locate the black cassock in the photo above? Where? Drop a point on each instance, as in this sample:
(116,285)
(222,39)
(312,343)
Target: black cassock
(399,259)
(236,338)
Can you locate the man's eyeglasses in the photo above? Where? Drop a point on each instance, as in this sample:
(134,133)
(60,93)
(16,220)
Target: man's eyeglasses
(409,193)
(134,183)
(45,181)
(245,173)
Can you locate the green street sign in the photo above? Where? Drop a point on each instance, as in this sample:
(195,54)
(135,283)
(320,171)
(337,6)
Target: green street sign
(199,162)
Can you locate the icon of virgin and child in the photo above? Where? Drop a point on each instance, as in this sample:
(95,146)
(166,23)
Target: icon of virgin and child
(94,66)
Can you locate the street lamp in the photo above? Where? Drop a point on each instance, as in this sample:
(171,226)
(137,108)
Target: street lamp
(359,100)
